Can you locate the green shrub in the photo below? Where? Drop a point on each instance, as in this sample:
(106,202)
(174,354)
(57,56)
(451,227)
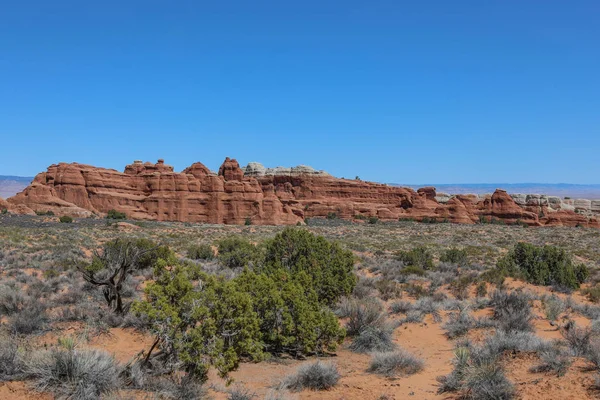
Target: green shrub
(454,256)
(4,211)
(248,221)
(203,321)
(237,252)
(114,214)
(418,257)
(65,219)
(200,320)
(373,220)
(200,252)
(331,215)
(48,213)
(547,265)
(149,259)
(495,276)
(313,261)
(291,318)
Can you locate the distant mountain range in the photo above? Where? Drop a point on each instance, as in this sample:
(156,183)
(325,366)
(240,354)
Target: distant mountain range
(11,185)
(574,191)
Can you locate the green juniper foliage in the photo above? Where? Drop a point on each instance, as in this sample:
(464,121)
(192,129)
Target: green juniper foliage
(200,320)
(114,214)
(417,257)
(547,265)
(237,252)
(280,305)
(323,265)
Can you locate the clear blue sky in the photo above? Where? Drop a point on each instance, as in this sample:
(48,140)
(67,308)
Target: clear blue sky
(392,91)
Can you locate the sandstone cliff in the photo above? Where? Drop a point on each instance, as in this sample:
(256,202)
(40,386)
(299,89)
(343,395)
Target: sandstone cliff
(148,191)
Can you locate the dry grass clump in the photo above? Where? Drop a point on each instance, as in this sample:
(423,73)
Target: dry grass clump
(11,359)
(72,373)
(477,375)
(314,376)
(512,311)
(395,363)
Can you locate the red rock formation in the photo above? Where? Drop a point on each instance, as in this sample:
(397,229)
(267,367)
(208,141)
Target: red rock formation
(502,207)
(231,171)
(15,208)
(155,192)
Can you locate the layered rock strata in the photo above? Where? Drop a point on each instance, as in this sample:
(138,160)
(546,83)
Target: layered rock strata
(148,191)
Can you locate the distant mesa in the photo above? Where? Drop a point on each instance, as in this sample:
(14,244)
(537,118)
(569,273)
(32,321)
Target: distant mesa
(273,196)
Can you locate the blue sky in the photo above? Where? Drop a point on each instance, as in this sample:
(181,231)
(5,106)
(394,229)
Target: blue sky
(392,91)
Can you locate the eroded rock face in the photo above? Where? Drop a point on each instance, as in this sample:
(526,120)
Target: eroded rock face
(230,170)
(257,170)
(275,196)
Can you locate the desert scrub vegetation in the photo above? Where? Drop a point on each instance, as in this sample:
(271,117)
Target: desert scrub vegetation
(455,256)
(367,325)
(298,252)
(512,311)
(373,338)
(236,252)
(459,324)
(395,363)
(200,252)
(114,214)
(111,267)
(477,377)
(279,306)
(11,359)
(72,373)
(547,265)
(314,376)
(554,358)
(282,309)
(417,257)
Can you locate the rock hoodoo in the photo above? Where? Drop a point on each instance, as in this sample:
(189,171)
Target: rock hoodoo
(148,191)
